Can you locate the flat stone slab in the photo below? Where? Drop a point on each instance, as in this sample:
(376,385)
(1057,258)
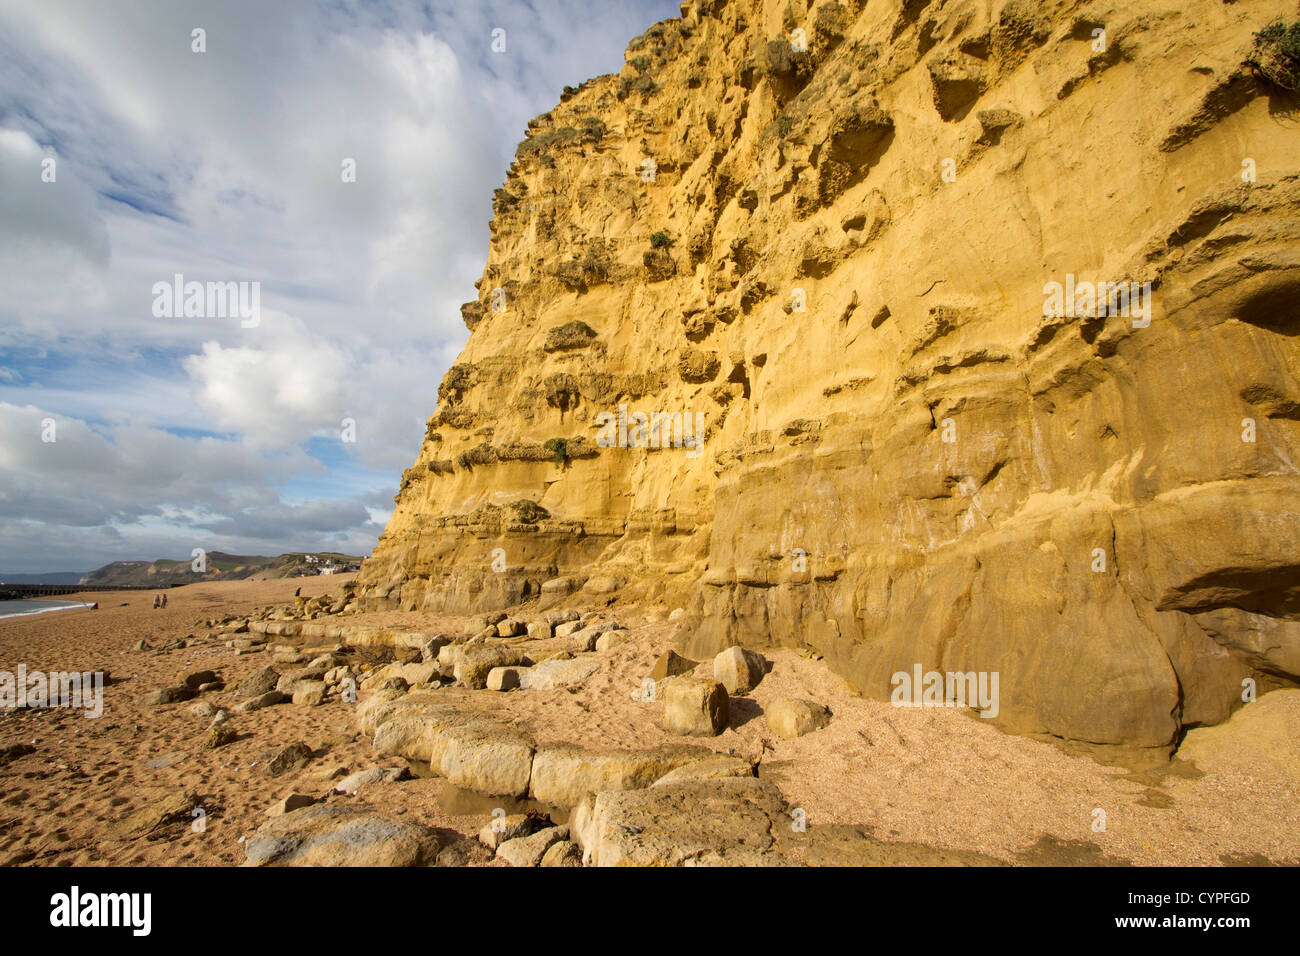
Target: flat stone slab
(550,675)
(564,774)
(333,835)
(473,750)
(726,822)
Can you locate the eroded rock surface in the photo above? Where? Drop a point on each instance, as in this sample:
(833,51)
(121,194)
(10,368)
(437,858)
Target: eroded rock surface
(825,273)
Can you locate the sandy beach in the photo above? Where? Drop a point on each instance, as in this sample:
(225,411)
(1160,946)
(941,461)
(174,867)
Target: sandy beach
(912,778)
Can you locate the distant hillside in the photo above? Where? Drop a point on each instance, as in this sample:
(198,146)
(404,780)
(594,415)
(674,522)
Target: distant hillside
(220,567)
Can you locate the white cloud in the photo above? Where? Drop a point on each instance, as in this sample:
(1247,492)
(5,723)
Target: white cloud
(224,166)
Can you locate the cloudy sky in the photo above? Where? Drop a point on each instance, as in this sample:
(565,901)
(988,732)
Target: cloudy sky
(170,433)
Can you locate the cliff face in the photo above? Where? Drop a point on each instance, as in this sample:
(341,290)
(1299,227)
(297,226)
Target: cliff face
(915,448)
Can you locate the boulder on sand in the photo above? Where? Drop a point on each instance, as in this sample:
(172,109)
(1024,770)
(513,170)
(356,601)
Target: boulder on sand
(671,664)
(791,717)
(695,706)
(739,670)
(259,682)
(473,664)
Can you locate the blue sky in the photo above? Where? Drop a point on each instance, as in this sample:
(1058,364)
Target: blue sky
(225,166)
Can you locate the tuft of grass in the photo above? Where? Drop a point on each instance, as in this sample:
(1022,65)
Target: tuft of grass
(660,240)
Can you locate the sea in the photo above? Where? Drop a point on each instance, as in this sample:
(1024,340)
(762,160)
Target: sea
(21,608)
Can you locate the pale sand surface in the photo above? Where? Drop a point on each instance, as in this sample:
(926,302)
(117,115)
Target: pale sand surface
(940,778)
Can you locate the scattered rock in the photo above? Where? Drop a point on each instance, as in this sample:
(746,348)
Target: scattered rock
(612,638)
(791,717)
(292,757)
(269,699)
(504,678)
(203,709)
(505,828)
(219,735)
(562,853)
(362,778)
(195,679)
(334,835)
(529,850)
(294,801)
(739,670)
(430,647)
(554,673)
(475,663)
(329,772)
(671,664)
(695,706)
(309,693)
(171,695)
(169,809)
(289,680)
(260,682)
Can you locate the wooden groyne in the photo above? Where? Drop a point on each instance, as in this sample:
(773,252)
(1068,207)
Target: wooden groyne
(14,591)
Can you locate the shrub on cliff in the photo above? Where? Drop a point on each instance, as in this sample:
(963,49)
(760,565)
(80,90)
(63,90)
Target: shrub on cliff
(528,512)
(1277,54)
(593,130)
(558,448)
(641,84)
(544,142)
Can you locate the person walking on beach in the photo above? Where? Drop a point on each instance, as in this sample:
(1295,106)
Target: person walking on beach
(164,600)
(157,601)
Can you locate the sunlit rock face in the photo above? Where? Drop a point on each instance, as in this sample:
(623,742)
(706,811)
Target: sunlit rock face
(951,334)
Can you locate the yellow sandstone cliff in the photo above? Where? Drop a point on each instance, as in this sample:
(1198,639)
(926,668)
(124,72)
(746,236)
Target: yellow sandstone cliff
(833,234)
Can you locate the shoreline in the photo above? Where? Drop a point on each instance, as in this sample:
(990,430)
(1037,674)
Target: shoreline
(76,606)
